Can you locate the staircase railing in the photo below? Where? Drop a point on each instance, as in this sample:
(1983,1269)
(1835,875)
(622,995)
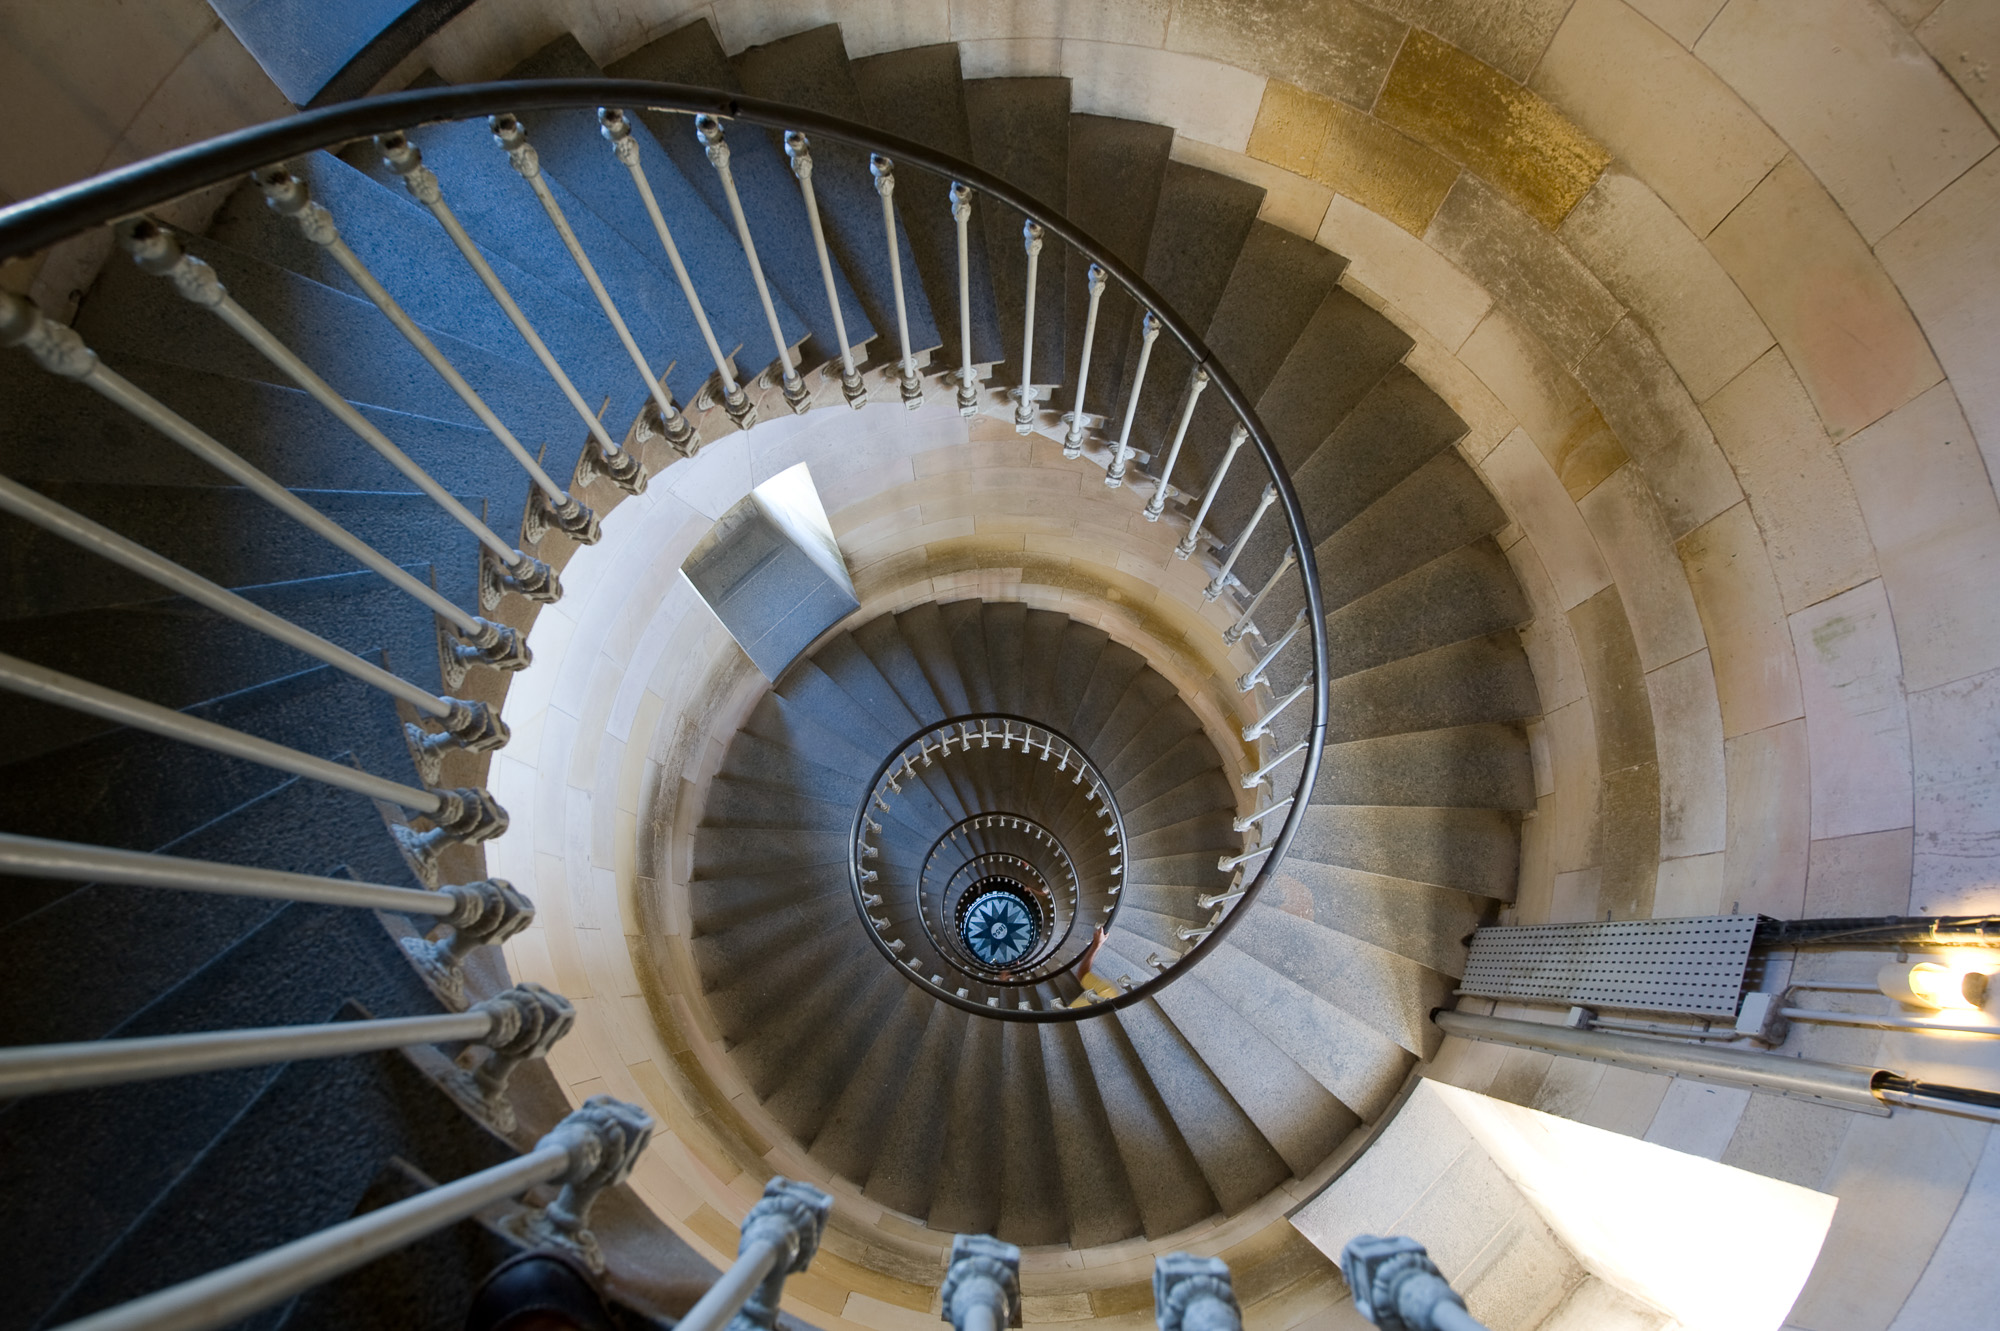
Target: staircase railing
(123,196)
(594,1146)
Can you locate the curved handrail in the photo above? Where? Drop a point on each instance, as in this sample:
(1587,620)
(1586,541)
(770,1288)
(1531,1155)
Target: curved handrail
(36,223)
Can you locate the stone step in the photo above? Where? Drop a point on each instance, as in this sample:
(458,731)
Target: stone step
(1359,1065)
(810,69)
(1116,170)
(1426,923)
(1237,1161)
(1478,680)
(1019,129)
(1465,593)
(1199,229)
(1300,1119)
(1097,1192)
(1474,766)
(966,1195)
(409,253)
(1116,669)
(1166,1178)
(1005,639)
(850,1140)
(928,638)
(1074,663)
(1470,850)
(964,624)
(917,93)
(691,54)
(904,1173)
(1033,1208)
(1391,993)
(1279,281)
(1438,508)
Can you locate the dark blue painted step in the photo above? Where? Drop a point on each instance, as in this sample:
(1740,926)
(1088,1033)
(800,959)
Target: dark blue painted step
(500,211)
(764,182)
(277,1173)
(347,342)
(280,431)
(919,94)
(573,149)
(408,251)
(179,653)
(138,790)
(46,575)
(810,70)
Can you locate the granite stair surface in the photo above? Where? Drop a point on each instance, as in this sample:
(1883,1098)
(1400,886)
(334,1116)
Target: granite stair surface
(1250,1072)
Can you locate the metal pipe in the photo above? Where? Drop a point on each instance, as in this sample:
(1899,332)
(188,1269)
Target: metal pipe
(74,527)
(1073,437)
(1149,332)
(851,387)
(884,172)
(708,132)
(1024,409)
(1264,502)
(1231,862)
(1263,725)
(67,691)
(1841,1084)
(618,132)
(961,216)
(73,862)
(47,1068)
(1157,505)
(1237,434)
(1886,1022)
(1663,1028)
(1242,624)
(713,1310)
(62,352)
(509,133)
(232,1293)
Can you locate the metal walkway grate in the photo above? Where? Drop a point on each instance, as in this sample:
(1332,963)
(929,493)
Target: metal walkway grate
(1692,965)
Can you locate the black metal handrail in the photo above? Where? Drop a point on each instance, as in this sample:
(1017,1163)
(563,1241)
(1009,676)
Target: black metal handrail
(34,224)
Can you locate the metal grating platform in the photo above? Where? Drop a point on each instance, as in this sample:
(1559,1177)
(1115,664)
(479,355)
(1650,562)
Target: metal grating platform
(1692,965)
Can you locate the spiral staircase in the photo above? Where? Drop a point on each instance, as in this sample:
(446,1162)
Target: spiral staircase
(856,1021)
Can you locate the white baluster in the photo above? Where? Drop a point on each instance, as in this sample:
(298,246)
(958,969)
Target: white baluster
(708,130)
(799,151)
(884,171)
(1264,501)
(1242,624)
(617,132)
(1073,437)
(1263,725)
(509,133)
(1197,381)
(1024,407)
(961,216)
(1244,824)
(1237,434)
(1255,675)
(1149,332)
(1257,778)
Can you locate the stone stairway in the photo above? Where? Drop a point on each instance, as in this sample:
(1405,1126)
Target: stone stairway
(1248,1073)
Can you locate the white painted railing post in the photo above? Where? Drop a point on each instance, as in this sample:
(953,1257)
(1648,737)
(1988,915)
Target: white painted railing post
(1024,405)
(961,216)
(799,151)
(1197,381)
(60,351)
(884,171)
(1094,282)
(1255,675)
(1237,434)
(1262,726)
(1242,624)
(512,136)
(1149,332)
(617,131)
(1221,580)
(708,132)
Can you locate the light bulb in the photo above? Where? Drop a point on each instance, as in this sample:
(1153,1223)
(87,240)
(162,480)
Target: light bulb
(1929,984)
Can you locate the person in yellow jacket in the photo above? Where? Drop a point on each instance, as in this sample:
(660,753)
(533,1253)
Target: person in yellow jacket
(1095,987)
